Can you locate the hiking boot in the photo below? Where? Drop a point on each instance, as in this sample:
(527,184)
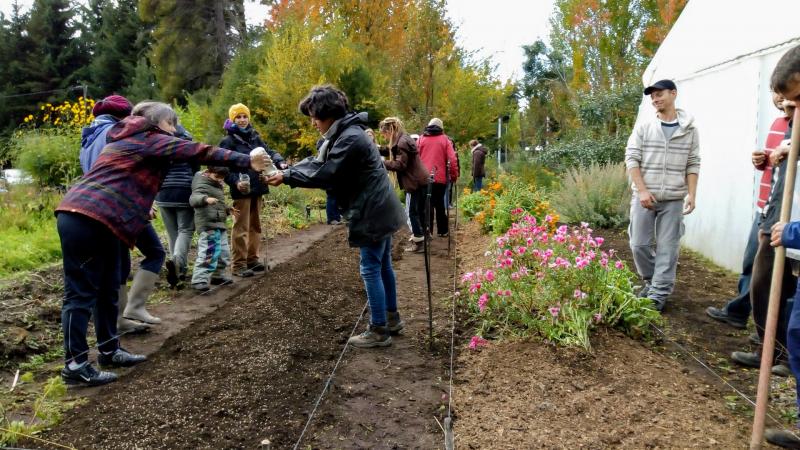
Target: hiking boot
(221,281)
(747,359)
(374,336)
(782,370)
(754,338)
(244,273)
(120,358)
(257,267)
(172,272)
(201,287)
(86,375)
(394,323)
(782,438)
(721,315)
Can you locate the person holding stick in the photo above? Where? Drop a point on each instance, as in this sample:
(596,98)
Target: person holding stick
(786,81)
(350,169)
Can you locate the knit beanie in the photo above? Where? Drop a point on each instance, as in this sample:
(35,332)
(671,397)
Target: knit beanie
(116,105)
(436,122)
(237,109)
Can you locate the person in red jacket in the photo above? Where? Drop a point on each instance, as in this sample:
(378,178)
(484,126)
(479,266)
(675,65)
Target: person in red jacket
(439,157)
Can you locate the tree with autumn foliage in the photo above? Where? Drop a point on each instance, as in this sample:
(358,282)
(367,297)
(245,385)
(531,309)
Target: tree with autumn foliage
(586,84)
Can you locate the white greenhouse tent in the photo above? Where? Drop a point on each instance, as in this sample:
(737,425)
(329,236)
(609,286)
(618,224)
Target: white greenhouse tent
(721,53)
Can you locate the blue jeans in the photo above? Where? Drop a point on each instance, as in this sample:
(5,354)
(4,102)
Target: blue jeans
(477,184)
(91,254)
(150,245)
(376,271)
(793,340)
(331,209)
(739,307)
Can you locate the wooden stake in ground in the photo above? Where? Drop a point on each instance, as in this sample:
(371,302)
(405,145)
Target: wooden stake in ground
(768,348)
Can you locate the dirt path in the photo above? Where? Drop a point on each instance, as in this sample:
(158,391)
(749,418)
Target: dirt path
(388,398)
(528,394)
(252,369)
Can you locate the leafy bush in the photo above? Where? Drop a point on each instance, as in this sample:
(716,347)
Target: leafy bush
(560,285)
(598,194)
(532,173)
(50,155)
(491,206)
(583,150)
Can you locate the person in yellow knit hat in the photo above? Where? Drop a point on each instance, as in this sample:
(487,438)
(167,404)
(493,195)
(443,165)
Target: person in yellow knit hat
(247,190)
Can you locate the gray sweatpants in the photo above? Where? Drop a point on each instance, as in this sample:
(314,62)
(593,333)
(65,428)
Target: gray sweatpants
(655,239)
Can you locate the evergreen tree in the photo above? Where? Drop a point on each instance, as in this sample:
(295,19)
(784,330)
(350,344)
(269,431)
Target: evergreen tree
(14,48)
(192,41)
(58,58)
(120,42)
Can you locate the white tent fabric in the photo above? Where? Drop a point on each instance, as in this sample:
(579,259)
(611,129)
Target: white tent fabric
(721,53)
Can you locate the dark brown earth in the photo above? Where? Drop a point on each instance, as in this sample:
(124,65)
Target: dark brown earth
(626,394)
(252,369)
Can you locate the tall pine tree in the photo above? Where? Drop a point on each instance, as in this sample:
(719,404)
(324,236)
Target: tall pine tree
(192,41)
(121,40)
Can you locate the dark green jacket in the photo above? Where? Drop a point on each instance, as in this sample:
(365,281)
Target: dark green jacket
(208,217)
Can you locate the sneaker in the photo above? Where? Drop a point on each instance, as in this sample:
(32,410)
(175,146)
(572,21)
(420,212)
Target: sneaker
(754,338)
(443,235)
(373,337)
(721,315)
(86,375)
(257,267)
(244,273)
(782,370)
(120,358)
(659,303)
(394,323)
(335,222)
(221,281)
(747,359)
(782,438)
(201,287)
(172,272)
(644,290)
(415,247)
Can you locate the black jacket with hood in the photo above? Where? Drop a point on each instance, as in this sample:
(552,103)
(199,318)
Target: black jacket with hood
(353,173)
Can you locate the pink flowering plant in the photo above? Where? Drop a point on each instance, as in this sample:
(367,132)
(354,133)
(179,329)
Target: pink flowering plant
(559,284)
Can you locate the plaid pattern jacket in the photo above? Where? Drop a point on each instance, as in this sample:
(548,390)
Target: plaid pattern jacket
(120,188)
(664,164)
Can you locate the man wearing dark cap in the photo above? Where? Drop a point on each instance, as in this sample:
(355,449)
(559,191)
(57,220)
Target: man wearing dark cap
(663,161)
(106,112)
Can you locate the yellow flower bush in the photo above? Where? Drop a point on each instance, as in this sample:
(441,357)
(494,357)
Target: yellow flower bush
(71,115)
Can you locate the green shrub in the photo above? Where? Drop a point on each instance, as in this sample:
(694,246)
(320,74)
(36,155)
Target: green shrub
(473,203)
(598,194)
(50,155)
(583,150)
(532,173)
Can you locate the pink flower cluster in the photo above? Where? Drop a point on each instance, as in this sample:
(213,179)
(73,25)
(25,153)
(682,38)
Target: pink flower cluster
(477,341)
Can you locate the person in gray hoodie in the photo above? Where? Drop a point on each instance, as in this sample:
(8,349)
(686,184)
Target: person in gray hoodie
(663,162)
(210,213)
